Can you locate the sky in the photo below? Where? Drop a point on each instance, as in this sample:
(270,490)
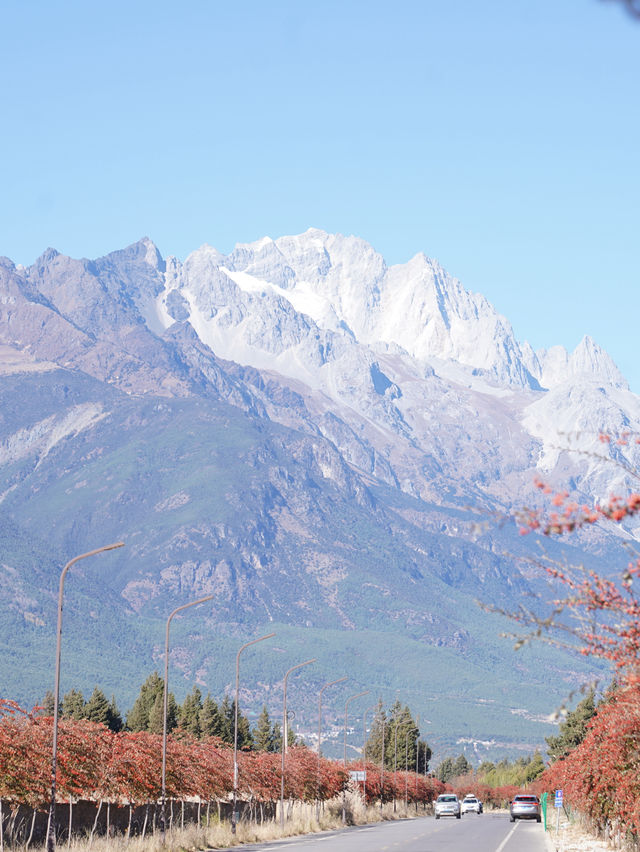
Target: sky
(498,136)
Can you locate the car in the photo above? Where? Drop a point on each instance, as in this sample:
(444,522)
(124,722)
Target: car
(447,804)
(470,804)
(525,806)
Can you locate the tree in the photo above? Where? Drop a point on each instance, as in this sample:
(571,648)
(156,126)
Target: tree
(573,730)
(189,713)
(535,767)
(263,734)
(48,704)
(115,722)
(97,708)
(73,705)
(227,717)
(292,740)
(211,722)
(424,756)
(155,725)
(146,713)
(374,743)
(445,771)
(461,766)
(400,738)
(597,758)
(227,712)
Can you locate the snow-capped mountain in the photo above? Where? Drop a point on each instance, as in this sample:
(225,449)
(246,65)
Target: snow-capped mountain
(396,345)
(408,373)
(302,430)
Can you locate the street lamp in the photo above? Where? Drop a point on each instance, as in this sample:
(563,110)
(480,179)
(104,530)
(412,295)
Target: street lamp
(346,716)
(382,763)
(331,683)
(283,747)
(235,728)
(364,750)
(395,758)
(164,706)
(417,756)
(51,828)
(406,769)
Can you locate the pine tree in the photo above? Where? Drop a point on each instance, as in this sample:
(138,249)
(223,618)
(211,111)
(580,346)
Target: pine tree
(189,713)
(424,756)
(97,708)
(445,771)
(461,766)
(535,768)
(73,705)
(245,738)
(146,713)
(263,732)
(276,737)
(227,713)
(48,704)
(400,737)
(115,722)
(155,716)
(211,723)
(374,740)
(138,716)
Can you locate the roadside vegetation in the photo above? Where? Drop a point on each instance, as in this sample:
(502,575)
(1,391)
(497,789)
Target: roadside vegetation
(108,781)
(595,759)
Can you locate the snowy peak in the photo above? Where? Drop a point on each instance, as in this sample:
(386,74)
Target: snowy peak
(588,361)
(318,285)
(342,283)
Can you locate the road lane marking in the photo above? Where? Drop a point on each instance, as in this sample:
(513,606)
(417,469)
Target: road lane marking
(507,838)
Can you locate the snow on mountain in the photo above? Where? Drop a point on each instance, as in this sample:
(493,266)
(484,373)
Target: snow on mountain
(588,360)
(298,301)
(308,297)
(399,350)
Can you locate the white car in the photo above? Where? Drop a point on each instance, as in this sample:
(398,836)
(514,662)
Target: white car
(471,805)
(447,804)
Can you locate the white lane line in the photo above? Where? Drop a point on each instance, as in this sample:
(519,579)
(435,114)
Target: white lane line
(507,838)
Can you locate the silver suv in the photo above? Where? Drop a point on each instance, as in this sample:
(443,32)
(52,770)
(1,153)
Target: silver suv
(525,807)
(470,804)
(447,804)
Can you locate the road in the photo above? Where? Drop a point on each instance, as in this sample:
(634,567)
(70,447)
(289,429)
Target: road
(473,833)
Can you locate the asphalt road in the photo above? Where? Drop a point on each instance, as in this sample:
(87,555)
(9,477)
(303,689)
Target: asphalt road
(473,833)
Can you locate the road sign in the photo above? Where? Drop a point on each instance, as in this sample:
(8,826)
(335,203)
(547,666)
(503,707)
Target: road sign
(558,799)
(358,776)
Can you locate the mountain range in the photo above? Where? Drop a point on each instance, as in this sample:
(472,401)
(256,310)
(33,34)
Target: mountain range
(327,444)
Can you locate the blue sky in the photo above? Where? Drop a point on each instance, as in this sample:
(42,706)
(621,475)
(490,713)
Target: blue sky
(498,136)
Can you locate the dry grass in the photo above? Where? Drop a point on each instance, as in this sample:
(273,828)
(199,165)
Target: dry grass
(301,820)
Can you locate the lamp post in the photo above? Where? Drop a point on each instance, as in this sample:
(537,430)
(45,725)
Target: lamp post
(235,728)
(322,689)
(406,769)
(285,732)
(364,750)
(164,707)
(417,757)
(346,715)
(382,766)
(51,827)
(395,758)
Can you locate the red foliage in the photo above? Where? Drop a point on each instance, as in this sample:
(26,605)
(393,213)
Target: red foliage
(601,777)
(573,516)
